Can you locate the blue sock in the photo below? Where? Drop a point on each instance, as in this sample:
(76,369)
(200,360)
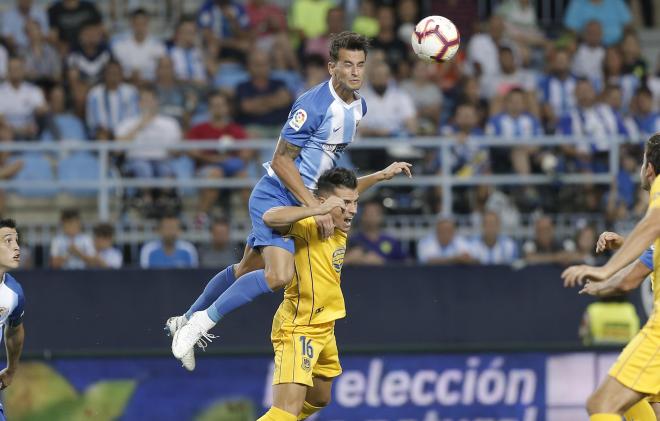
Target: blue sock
(215,287)
(241,292)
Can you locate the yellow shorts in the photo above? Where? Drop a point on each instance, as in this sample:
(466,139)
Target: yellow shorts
(638,366)
(304,352)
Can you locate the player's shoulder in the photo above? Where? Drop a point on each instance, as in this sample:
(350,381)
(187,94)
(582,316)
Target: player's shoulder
(13,284)
(317,99)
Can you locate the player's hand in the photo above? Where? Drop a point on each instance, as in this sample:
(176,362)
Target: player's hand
(608,241)
(576,275)
(325,224)
(591,288)
(397,168)
(330,203)
(6,377)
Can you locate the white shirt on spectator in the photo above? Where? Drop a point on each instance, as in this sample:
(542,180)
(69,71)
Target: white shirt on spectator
(160,132)
(13,23)
(429,248)
(112,257)
(140,56)
(393,108)
(483,50)
(18,105)
(59,247)
(588,61)
(188,64)
(505,251)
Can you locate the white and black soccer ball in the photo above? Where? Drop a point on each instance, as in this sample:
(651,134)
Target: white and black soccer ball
(435,39)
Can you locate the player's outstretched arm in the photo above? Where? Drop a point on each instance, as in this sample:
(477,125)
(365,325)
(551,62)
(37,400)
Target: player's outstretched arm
(282,217)
(393,169)
(14,338)
(623,281)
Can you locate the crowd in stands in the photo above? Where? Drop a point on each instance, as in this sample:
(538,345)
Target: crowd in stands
(231,71)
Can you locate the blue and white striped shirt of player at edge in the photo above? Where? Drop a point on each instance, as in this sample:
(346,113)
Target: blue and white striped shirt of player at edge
(323,125)
(12,301)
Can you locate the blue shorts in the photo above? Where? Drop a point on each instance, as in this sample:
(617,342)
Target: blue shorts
(267,194)
(230,167)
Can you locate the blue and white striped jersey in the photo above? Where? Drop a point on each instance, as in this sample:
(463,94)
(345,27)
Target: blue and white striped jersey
(12,302)
(559,94)
(323,125)
(107,108)
(524,125)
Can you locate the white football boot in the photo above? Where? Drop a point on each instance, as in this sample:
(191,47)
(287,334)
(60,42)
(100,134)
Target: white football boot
(172,325)
(193,332)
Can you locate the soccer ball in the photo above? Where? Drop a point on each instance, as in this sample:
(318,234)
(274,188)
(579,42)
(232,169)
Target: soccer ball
(435,39)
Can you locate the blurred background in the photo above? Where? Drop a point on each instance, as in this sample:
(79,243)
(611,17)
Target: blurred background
(525,147)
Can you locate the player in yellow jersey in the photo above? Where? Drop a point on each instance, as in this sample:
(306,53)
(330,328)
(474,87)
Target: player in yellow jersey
(636,374)
(303,334)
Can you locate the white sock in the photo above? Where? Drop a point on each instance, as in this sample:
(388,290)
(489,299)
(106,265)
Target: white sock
(203,319)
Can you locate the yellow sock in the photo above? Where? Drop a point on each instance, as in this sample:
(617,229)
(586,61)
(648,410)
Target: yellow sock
(308,410)
(641,411)
(277,414)
(604,417)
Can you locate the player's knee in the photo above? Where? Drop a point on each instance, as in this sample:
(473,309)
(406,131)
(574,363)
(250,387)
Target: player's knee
(597,405)
(278,278)
(320,401)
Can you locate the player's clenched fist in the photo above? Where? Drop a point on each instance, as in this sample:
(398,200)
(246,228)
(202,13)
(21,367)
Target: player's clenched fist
(6,376)
(576,275)
(608,241)
(325,224)
(330,203)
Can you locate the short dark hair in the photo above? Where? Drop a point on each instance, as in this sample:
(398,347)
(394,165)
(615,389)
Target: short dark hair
(336,177)
(643,90)
(147,87)
(139,11)
(69,214)
(104,230)
(7,223)
(347,40)
(652,152)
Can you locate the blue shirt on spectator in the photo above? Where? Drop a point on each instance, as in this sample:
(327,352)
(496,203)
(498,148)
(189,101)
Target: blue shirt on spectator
(596,123)
(559,94)
(613,16)
(386,246)
(210,16)
(153,255)
(247,90)
(643,125)
(524,125)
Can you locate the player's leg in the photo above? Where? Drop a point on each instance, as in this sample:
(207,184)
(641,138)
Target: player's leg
(641,411)
(317,398)
(611,400)
(656,409)
(288,401)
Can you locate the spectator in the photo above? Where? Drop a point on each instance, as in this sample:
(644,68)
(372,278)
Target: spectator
(407,12)
(461,12)
(15,19)
(444,247)
(262,101)
(371,246)
(177,99)
(396,51)
(588,60)
(365,22)
(496,85)
(66,19)
(521,23)
(4,61)
(9,166)
(557,89)
(470,93)
(466,159)
(61,124)
(109,103)
(85,64)
(426,95)
(643,120)
(138,52)
(633,61)
(42,62)
(613,75)
(221,252)
(308,17)
(187,57)
(545,247)
(266,20)
(153,129)
(613,16)
(104,255)
(585,239)
(336,22)
(226,22)
(315,71)
(214,164)
(514,122)
(593,122)
(396,111)
(169,251)
(492,247)
(21,103)
(71,246)
(482,49)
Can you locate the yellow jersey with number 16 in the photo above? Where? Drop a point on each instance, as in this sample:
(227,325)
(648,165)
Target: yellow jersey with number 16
(314,294)
(654,202)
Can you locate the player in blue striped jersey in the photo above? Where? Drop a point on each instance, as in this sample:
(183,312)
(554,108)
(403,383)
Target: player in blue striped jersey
(11,303)
(321,124)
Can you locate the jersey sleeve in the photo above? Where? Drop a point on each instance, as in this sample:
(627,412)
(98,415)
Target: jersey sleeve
(303,229)
(303,121)
(16,317)
(647,258)
(654,200)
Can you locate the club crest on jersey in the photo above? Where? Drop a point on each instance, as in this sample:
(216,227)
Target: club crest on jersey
(306,364)
(3,312)
(338,259)
(298,119)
